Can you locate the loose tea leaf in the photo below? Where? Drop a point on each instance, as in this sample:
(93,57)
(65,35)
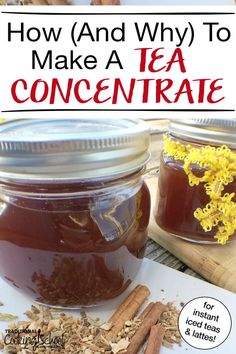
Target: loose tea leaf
(83,334)
(169,320)
(1,303)
(7,317)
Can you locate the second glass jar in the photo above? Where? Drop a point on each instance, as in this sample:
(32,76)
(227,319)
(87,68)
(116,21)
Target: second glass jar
(197,184)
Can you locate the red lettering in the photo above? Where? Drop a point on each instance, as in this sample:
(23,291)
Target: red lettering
(57,87)
(146,83)
(13,91)
(34,90)
(100,88)
(177,57)
(155,57)
(77,93)
(118,85)
(185,87)
(160,90)
(143,58)
(214,88)
(201,90)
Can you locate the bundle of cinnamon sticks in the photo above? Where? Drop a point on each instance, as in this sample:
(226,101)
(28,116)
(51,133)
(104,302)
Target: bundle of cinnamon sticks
(148,322)
(51,2)
(68,2)
(105,2)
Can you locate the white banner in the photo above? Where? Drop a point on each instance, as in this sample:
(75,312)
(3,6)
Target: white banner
(152,61)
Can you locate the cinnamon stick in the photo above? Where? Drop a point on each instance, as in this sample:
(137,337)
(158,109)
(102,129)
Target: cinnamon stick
(124,304)
(155,340)
(58,2)
(146,311)
(142,332)
(105,2)
(127,310)
(51,2)
(40,2)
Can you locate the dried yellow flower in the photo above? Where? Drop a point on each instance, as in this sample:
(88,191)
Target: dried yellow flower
(219,169)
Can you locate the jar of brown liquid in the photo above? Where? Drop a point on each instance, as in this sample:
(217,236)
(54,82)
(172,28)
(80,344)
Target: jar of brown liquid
(74,208)
(197,181)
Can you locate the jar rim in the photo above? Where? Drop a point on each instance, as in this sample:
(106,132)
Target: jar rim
(217,131)
(51,150)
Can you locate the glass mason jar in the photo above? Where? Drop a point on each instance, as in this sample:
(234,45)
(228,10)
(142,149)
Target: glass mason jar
(74,209)
(197,181)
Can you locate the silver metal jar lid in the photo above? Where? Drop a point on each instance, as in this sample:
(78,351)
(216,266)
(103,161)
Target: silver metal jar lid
(205,130)
(72,149)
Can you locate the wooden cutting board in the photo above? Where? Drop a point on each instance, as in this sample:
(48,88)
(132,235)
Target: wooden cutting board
(215,263)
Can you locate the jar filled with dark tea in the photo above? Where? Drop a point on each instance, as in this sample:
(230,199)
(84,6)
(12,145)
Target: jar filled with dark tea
(74,208)
(197,182)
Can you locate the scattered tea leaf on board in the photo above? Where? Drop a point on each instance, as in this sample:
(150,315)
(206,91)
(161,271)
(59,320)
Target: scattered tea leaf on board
(7,317)
(1,303)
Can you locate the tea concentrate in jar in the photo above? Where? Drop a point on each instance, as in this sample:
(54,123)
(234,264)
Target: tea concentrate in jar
(197,182)
(74,208)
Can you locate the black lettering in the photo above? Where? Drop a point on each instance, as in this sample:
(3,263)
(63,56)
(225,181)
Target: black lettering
(146,28)
(20,31)
(115,60)
(52,34)
(47,60)
(86,31)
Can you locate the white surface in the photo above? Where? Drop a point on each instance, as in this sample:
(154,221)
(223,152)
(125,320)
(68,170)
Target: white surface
(193,62)
(177,287)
